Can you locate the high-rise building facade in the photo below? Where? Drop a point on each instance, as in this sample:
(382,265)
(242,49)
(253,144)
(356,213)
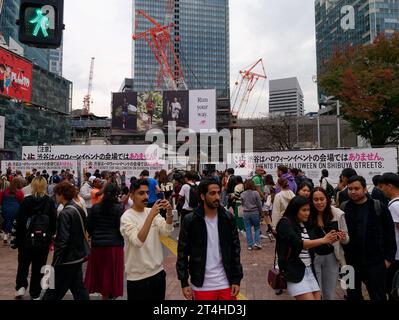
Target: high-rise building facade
(55,61)
(8,28)
(202,27)
(286,97)
(345,23)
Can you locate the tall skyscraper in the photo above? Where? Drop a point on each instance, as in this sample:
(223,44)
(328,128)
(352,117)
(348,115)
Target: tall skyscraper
(203,29)
(286,97)
(8,17)
(344,23)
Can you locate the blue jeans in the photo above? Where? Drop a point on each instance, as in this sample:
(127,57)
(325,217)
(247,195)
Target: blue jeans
(252,219)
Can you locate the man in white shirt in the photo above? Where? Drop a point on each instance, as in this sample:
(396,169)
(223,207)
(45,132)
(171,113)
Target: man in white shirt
(184,195)
(141,229)
(389,184)
(209,250)
(176,109)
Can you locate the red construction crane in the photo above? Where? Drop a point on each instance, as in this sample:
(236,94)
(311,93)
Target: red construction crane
(87,99)
(244,88)
(159,40)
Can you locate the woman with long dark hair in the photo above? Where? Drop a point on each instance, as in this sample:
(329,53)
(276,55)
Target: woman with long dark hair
(294,250)
(325,218)
(105,268)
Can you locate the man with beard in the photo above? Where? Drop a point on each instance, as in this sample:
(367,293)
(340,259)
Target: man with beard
(209,250)
(141,228)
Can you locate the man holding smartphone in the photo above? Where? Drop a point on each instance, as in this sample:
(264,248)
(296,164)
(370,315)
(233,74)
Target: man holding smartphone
(142,227)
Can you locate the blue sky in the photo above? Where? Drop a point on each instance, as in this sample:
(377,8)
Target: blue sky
(282,32)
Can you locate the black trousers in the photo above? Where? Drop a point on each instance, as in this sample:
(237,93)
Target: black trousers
(149,289)
(68,277)
(390,275)
(374,277)
(36,258)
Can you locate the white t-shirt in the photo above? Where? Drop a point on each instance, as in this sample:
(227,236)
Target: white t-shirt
(215,276)
(185,192)
(394,209)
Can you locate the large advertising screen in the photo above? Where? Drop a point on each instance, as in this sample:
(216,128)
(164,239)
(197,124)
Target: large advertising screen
(15,76)
(140,112)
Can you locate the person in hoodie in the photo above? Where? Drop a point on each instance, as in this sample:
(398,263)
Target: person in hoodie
(282,172)
(38,203)
(281,201)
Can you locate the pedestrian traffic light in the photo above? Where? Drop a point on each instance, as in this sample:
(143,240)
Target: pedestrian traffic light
(41,23)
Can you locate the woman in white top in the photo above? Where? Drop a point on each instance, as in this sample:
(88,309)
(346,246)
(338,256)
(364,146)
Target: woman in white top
(281,201)
(325,218)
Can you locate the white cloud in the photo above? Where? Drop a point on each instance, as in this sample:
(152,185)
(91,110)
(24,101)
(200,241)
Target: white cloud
(282,32)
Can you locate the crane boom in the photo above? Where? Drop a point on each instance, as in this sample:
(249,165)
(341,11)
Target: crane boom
(87,98)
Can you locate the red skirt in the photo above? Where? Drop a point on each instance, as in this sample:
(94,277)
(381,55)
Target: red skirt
(105,270)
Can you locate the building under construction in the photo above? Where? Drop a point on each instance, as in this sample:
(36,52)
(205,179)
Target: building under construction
(199,32)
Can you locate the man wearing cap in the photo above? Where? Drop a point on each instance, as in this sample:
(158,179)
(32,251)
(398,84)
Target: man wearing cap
(86,188)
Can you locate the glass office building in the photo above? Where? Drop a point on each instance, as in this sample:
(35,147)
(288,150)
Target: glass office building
(345,23)
(203,49)
(8,17)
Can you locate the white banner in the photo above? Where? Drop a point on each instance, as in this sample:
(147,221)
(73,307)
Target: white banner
(202,110)
(366,162)
(40,165)
(129,168)
(2,131)
(93,153)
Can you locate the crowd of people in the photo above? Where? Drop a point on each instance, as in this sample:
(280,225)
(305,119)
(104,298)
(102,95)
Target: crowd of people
(117,230)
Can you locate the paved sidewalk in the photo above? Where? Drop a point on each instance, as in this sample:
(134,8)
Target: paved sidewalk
(253,287)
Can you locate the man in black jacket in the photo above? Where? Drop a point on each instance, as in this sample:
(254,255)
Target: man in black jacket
(70,247)
(209,250)
(372,245)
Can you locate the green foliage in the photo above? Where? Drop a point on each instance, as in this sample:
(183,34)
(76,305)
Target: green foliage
(366,80)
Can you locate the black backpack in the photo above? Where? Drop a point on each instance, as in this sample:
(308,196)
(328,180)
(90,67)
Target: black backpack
(329,190)
(38,231)
(193,199)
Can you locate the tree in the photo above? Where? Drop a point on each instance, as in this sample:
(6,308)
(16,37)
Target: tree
(279,132)
(366,81)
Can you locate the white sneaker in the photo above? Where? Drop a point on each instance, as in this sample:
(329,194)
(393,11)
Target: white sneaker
(20,293)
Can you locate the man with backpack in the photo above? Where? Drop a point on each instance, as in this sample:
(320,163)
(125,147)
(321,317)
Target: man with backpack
(327,184)
(372,246)
(389,184)
(188,194)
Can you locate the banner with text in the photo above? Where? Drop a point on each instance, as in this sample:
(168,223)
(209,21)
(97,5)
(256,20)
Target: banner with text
(94,153)
(27,166)
(202,110)
(366,162)
(128,168)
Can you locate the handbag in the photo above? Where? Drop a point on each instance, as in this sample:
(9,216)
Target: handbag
(275,277)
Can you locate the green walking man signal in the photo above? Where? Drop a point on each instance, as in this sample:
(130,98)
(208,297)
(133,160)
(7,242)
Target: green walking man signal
(41,23)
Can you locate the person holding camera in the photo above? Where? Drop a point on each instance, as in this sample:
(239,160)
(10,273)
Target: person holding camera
(325,218)
(141,228)
(295,244)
